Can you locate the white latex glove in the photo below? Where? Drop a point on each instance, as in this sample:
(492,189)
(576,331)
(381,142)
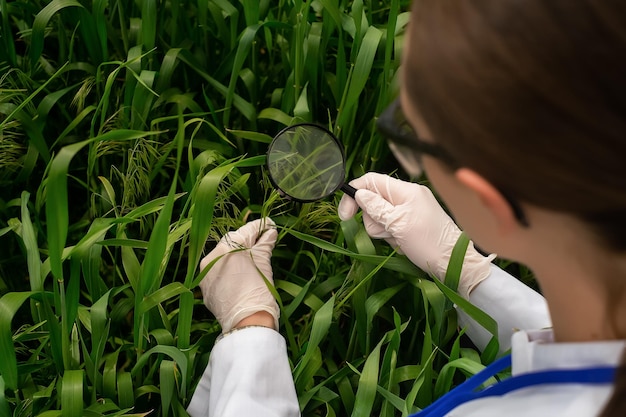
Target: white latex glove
(410,219)
(233,288)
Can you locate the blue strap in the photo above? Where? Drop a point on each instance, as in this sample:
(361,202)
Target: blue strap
(467,391)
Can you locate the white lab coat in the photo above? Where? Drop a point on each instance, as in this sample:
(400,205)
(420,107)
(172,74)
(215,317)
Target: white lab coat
(249,374)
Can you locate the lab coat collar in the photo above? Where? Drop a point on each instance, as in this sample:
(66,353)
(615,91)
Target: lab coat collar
(534,351)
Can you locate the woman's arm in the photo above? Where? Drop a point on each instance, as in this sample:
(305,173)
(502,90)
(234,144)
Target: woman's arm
(511,303)
(410,219)
(248,375)
(248,372)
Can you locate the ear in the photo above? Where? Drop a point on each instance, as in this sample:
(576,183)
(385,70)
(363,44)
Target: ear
(492,199)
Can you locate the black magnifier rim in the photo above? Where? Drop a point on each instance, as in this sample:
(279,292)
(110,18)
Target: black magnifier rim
(332,136)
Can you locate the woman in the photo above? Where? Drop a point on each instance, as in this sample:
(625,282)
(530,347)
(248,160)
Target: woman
(516,112)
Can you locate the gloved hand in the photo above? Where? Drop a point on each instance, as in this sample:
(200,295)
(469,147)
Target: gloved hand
(410,219)
(233,288)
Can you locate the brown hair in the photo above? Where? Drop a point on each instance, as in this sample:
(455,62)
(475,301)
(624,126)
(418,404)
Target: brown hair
(531,95)
(536,91)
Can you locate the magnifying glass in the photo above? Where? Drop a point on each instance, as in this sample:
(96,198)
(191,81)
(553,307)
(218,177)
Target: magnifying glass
(307,163)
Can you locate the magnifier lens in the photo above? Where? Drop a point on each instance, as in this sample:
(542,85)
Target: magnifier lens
(306,162)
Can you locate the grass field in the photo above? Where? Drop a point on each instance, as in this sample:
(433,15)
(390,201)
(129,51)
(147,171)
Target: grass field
(131,133)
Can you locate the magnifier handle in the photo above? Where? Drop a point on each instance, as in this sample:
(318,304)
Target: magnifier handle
(348,189)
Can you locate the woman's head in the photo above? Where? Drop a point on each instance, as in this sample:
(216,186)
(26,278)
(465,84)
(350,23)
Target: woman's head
(531,95)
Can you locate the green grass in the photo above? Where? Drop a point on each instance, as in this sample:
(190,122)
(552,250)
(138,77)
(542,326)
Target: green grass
(131,133)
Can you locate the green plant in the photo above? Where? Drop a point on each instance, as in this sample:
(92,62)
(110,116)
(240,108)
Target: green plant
(133,133)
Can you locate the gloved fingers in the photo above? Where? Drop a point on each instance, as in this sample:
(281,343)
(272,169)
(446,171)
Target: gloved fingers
(378,231)
(218,251)
(395,191)
(376,207)
(262,252)
(266,242)
(374,228)
(263,247)
(347,207)
(391,189)
(247,235)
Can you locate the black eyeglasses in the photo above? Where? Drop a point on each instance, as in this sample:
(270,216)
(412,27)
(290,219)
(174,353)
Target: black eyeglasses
(408,149)
(406,146)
